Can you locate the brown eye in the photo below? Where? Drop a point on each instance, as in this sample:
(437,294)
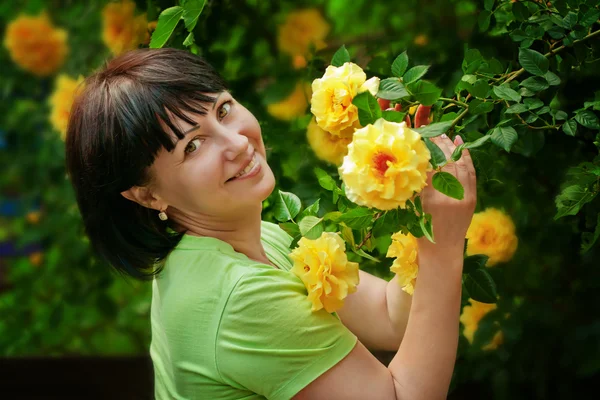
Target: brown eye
(193,145)
(224,110)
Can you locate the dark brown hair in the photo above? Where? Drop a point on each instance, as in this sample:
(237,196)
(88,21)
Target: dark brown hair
(115,132)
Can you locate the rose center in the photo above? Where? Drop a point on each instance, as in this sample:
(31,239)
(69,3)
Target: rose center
(380,162)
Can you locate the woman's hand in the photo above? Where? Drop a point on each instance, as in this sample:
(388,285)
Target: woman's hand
(451,217)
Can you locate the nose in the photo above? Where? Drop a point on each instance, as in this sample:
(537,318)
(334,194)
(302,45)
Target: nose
(235,144)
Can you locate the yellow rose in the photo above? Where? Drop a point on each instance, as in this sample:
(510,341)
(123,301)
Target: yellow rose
(470,317)
(404,248)
(492,233)
(324,268)
(293,106)
(386,164)
(331,101)
(121,29)
(61,101)
(327,147)
(301,29)
(35,45)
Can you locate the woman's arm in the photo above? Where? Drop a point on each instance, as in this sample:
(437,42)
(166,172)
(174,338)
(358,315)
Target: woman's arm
(377,312)
(423,365)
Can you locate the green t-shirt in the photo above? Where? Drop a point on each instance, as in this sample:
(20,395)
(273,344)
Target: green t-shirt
(228,327)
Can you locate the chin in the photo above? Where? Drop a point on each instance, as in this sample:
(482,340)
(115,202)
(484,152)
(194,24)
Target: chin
(269,183)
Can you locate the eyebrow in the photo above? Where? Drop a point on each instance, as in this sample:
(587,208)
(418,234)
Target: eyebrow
(198,125)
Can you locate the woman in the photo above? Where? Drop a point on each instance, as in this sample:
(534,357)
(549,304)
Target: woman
(170,173)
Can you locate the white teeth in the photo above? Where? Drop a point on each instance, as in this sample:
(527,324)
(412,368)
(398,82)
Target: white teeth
(248,168)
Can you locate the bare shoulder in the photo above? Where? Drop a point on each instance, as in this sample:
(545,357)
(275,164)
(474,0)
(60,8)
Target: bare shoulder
(358,376)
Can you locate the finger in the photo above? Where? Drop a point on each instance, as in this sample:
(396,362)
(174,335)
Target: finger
(445,144)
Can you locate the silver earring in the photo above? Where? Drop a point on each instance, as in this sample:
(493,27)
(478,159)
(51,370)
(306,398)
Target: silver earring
(163,216)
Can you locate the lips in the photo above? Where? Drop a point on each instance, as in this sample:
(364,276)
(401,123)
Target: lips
(246,164)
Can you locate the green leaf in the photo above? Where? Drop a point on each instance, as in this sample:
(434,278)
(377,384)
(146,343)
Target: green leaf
(393,116)
(425,92)
(589,239)
(426,227)
(457,153)
(357,218)
(400,64)
(472,61)
(311,227)
(447,184)
(533,62)
(570,127)
(474,262)
(518,35)
(552,78)
(560,115)
(572,198)
(364,254)
(535,83)
(433,130)
(590,17)
(325,180)
(189,40)
(570,20)
(438,158)
(290,228)
(340,57)
(481,286)
(488,5)
(506,93)
(313,209)
(287,206)
(368,108)
(191,12)
(588,119)
(415,73)
(167,21)
(484,20)
(391,89)
(480,89)
(532,104)
(480,107)
(504,136)
(516,109)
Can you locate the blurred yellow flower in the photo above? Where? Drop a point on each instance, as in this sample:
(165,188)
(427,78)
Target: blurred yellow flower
(33,217)
(35,45)
(324,268)
(36,258)
(386,164)
(470,317)
(150,29)
(421,40)
(496,341)
(492,233)
(121,29)
(332,97)
(404,248)
(294,105)
(327,147)
(300,29)
(66,88)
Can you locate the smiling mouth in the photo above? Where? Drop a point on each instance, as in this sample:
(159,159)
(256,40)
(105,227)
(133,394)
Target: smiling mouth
(248,168)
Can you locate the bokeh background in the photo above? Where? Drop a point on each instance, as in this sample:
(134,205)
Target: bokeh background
(59,302)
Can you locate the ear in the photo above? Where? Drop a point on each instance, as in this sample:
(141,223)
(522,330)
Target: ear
(144,196)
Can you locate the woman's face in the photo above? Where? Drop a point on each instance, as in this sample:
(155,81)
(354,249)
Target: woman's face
(205,174)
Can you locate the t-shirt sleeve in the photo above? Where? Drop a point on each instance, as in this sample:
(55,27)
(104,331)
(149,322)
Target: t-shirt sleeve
(270,342)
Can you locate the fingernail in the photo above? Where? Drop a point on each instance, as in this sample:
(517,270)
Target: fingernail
(459,140)
(444,136)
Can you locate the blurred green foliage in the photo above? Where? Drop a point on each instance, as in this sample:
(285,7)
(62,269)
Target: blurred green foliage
(541,165)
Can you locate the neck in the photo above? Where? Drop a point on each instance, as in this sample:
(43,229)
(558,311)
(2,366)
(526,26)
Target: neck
(242,232)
